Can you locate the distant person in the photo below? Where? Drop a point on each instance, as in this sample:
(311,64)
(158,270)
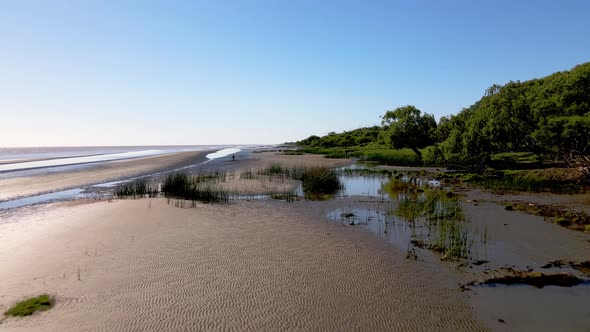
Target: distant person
(233,157)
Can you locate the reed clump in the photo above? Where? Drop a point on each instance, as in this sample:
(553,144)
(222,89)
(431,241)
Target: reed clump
(320,182)
(138,188)
(444,218)
(317,182)
(193,188)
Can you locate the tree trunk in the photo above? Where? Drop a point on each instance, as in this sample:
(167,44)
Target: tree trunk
(418,153)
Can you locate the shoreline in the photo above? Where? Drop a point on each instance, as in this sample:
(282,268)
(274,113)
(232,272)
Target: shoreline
(25,186)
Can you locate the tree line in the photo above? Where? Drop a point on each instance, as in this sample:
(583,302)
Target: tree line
(549,116)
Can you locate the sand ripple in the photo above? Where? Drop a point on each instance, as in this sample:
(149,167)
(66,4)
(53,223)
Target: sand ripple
(252,266)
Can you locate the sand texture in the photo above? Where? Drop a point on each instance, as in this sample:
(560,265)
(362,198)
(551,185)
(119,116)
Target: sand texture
(144,265)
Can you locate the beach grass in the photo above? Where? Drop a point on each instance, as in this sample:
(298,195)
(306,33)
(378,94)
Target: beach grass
(193,188)
(30,306)
(318,182)
(138,188)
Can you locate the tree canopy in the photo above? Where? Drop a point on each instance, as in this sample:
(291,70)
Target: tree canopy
(408,128)
(548,116)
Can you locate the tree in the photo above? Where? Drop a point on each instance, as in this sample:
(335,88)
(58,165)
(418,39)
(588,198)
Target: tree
(408,128)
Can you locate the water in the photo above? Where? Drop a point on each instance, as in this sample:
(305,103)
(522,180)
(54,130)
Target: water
(25,159)
(211,156)
(222,153)
(370,186)
(382,223)
(45,198)
(72,194)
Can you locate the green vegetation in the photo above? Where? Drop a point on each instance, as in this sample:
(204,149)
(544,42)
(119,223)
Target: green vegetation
(138,188)
(520,125)
(551,180)
(194,188)
(197,187)
(28,307)
(378,154)
(444,218)
(407,128)
(318,182)
(562,221)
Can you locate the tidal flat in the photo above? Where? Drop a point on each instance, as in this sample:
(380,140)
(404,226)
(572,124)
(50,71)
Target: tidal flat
(262,260)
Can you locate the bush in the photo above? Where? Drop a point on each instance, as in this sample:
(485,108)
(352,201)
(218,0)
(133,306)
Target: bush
(562,221)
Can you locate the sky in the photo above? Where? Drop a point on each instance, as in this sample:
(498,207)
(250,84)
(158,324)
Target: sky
(75,73)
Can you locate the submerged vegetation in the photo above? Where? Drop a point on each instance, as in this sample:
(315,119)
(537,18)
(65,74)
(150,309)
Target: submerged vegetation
(30,306)
(446,224)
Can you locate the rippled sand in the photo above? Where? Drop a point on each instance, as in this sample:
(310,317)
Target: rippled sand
(252,266)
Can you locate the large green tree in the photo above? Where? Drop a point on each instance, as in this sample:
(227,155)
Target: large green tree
(409,128)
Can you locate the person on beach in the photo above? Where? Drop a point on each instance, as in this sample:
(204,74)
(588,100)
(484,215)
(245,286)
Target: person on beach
(233,157)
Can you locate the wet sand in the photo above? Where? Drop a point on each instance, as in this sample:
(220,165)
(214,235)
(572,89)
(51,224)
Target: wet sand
(96,173)
(251,266)
(523,241)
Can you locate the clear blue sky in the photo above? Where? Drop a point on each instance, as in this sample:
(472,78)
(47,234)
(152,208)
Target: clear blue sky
(217,72)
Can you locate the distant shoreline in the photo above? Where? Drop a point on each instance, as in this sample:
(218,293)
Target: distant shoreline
(44,182)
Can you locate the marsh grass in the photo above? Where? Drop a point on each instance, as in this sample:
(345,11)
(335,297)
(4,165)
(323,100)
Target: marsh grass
(287,196)
(30,306)
(501,182)
(444,218)
(318,183)
(194,188)
(364,172)
(376,154)
(138,188)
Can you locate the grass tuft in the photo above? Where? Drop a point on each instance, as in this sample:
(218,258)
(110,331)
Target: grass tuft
(28,307)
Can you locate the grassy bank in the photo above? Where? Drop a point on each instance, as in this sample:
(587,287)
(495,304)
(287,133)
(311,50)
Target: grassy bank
(377,154)
(555,180)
